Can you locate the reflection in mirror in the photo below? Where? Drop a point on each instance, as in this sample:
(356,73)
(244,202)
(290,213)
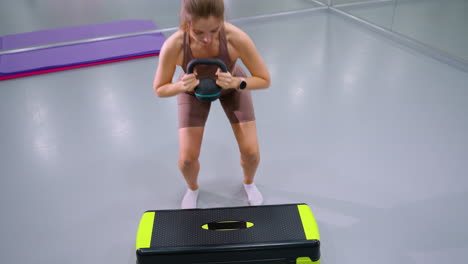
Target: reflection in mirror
(436,23)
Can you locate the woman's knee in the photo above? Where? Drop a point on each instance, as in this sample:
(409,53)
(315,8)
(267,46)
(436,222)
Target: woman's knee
(250,154)
(188,160)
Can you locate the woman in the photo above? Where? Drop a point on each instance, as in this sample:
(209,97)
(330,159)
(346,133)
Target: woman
(203,33)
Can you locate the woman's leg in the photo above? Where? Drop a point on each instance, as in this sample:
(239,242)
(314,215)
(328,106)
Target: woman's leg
(239,109)
(192,118)
(246,135)
(190,140)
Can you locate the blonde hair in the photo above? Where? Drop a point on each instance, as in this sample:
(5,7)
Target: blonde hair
(193,9)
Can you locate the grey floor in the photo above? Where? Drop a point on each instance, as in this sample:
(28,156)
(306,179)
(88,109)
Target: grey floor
(370,133)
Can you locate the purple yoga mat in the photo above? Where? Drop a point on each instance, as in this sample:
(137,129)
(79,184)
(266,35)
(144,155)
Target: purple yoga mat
(37,61)
(74,33)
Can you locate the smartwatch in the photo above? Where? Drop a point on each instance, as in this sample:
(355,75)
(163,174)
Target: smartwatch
(243,84)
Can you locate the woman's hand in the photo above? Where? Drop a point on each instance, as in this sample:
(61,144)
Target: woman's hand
(226,80)
(189,82)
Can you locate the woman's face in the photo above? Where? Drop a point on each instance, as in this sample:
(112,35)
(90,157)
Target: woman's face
(205,30)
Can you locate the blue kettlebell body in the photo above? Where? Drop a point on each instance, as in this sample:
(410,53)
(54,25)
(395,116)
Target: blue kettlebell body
(207,90)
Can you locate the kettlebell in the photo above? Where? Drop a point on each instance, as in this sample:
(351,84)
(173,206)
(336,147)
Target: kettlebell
(207,90)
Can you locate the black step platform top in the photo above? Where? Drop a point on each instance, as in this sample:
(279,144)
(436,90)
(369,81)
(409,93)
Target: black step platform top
(183,228)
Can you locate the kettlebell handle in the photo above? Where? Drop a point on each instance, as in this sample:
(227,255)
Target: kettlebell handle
(195,62)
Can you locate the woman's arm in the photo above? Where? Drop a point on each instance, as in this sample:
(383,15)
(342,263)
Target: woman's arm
(249,55)
(170,51)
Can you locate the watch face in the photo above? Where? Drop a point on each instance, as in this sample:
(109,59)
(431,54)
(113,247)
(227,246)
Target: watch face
(243,84)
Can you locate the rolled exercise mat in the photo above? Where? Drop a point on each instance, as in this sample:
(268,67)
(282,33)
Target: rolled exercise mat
(72,56)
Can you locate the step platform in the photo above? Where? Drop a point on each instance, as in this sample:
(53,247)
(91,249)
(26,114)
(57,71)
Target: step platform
(272,234)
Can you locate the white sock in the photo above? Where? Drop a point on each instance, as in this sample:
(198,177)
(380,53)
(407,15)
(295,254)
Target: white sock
(190,199)
(253,194)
